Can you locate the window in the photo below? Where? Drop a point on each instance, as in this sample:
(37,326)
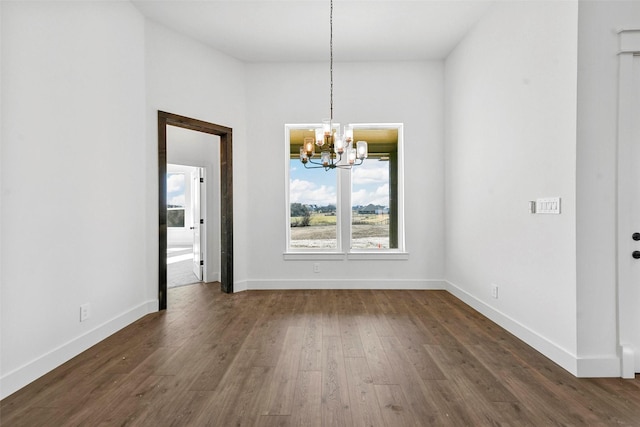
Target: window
(342,210)
(175,199)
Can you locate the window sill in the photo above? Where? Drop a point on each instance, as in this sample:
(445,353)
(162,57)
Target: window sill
(314,256)
(376,255)
(340,256)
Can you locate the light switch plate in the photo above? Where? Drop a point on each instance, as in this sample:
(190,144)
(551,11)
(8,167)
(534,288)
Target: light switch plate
(548,205)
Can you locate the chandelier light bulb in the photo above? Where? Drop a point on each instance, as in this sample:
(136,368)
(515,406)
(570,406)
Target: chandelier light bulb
(309,147)
(325,156)
(362,149)
(351,155)
(326,127)
(348,133)
(338,144)
(319,137)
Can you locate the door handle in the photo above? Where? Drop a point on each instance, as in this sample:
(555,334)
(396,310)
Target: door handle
(636,254)
(635,236)
(192,228)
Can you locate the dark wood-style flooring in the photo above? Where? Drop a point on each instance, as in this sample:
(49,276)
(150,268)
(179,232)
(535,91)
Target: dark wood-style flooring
(317,358)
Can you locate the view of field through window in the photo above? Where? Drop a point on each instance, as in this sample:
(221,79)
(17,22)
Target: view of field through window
(175,199)
(313,201)
(370,205)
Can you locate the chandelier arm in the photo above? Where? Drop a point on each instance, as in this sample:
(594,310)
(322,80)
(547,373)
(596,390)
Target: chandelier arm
(314,162)
(320,166)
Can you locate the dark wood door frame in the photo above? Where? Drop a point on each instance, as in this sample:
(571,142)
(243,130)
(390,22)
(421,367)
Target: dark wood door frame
(226,197)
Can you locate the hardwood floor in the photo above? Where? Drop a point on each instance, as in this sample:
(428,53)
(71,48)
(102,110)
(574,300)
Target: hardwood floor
(317,358)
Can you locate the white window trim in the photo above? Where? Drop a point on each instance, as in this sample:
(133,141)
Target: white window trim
(343,233)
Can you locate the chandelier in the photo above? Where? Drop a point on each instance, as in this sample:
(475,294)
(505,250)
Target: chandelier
(331,143)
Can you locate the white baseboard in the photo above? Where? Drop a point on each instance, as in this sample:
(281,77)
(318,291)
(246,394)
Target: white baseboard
(627,365)
(283,284)
(554,352)
(212,277)
(25,374)
(599,367)
(240,286)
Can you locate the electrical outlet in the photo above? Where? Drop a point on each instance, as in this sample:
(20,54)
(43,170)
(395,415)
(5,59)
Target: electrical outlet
(316,267)
(494,290)
(85,311)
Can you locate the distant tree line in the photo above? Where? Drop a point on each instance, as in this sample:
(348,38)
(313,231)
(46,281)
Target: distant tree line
(371,209)
(303,212)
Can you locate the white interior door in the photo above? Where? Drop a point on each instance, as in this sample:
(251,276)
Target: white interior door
(197,221)
(635,140)
(629,212)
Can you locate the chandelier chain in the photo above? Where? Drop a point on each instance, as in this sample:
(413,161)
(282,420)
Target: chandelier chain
(331,61)
(332,145)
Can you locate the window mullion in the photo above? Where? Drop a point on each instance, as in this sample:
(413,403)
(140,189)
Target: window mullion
(344,196)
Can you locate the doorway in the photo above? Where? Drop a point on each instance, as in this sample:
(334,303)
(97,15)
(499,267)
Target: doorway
(226,198)
(187,220)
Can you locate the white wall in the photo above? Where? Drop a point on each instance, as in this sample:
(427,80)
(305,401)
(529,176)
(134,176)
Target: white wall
(73,209)
(187,147)
(510,124)
(409,93)
(77,215)
(187,78)
(596,180)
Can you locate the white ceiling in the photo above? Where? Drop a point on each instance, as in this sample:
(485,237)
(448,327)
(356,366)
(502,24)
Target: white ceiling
(298,30)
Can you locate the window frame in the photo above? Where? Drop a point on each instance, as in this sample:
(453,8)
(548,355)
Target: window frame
(343,248)
(399,191)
